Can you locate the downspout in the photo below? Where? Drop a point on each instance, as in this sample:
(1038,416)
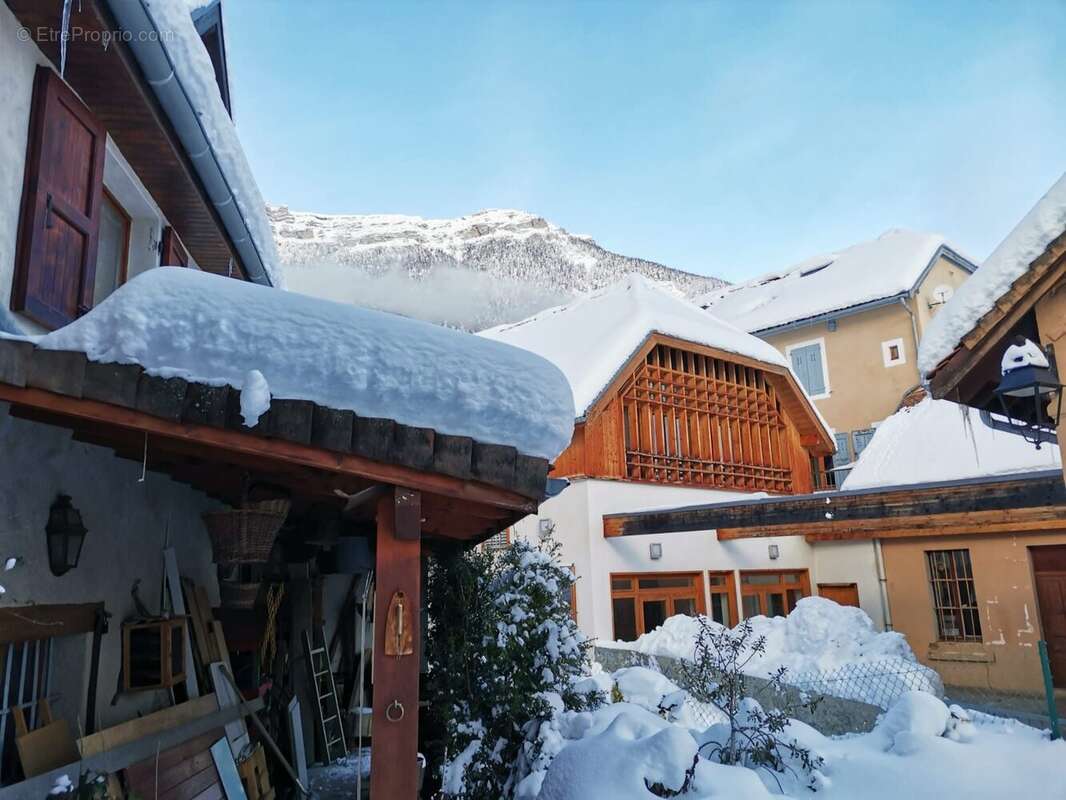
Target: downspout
(882,584)
(914,327)
(155,62)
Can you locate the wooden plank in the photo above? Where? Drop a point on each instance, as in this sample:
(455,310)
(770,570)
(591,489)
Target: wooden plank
(530,476)
(452,455)
(112,383)
(413,447)
(59,371)
(134,729)
(372,437)
(331,429)
(291,420)
(177,603)
(206,405)
(30,623)
(161,397)
(395,714)
(208,442)
(14,361)
(236,731)
(494,461)
(201,628)
(227,771)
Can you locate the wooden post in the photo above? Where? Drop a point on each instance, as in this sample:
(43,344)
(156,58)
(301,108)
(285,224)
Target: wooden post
(393,767)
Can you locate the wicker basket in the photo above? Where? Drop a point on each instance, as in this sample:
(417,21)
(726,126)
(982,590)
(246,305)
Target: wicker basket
(243,534)
(238,595)
(280,505)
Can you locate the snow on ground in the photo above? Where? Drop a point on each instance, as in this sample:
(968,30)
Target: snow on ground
(1044,223)
(919,750)
(887,266)
(593,337)
(215,330)
(938,440)
(194,72)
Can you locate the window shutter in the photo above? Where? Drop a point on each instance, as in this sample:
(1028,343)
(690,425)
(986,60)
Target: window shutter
(814,370)
(173,252)
(62,192)
(799,366)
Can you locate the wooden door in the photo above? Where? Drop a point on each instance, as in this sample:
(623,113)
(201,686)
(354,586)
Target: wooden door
(62,193)
(846,594)
(1049,571)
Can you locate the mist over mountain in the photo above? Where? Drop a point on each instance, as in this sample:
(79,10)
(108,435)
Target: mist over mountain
(472,272)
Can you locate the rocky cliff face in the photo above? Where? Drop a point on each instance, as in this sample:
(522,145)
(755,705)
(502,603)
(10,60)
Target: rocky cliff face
(475,271)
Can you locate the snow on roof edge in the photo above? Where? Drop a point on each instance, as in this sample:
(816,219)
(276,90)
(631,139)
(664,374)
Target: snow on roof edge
(1028,240)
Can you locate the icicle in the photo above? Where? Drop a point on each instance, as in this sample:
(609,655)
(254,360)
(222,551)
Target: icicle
(64,36)
(144,463)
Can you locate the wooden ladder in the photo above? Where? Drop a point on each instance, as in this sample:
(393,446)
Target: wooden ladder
(327,707)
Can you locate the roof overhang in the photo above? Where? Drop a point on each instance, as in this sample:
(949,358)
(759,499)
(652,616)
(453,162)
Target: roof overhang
(1001,503)
(194,433)
(111,82)
(969,374)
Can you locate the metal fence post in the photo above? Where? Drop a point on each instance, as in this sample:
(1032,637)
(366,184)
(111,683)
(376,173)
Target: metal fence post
(1049,690)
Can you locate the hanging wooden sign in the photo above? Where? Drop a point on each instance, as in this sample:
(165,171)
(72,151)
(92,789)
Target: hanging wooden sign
(399,639)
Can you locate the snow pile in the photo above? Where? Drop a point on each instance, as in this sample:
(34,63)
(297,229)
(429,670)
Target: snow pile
(591,339)
(884,267)
(195,73)
(818,635)
(255,397)
(621,751)
(938,440)
(1044,223)
(184,323)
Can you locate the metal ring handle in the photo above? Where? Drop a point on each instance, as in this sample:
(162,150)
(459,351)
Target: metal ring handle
(397,715)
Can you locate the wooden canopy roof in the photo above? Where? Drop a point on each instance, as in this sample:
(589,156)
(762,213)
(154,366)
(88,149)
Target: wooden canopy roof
(194,433)
(996,504)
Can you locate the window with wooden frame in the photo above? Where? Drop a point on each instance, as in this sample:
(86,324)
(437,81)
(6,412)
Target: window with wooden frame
(112,256)
(62,200)
(723,594)
(772,593)
(172,252)
(498,541)
(690,418)
(641,602)
(958,619)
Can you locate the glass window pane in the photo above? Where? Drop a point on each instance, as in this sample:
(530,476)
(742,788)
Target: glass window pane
(685,605)
(720,608)
(750,604)
(621,583)
(777,604)
(666,582)
(756,578)
(111,249)
(794,596)
(625,618)
(716,580)
(790,577)
(654,614)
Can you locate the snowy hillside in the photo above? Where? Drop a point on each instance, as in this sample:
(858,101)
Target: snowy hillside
(475,271)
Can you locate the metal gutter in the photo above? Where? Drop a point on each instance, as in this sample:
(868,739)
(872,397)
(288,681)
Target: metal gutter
(146,44)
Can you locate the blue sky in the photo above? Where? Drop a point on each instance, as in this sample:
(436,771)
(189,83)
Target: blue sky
(722,138)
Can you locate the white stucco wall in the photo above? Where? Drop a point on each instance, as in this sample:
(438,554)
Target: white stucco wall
(577,515)
(128,522)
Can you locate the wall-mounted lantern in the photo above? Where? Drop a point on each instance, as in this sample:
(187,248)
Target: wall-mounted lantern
(655,550)
(66,535)
(1029,380)
(774,552)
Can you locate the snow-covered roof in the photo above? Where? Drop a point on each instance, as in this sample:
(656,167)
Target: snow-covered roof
(938,440)
(186,68)
(595,336)
(885,267)
(1044,223)
(212,330)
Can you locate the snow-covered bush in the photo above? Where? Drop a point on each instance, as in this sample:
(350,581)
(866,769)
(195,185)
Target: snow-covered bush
(504,655)
(751,735)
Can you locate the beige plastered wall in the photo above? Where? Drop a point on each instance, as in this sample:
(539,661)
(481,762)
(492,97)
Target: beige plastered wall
(1051,321)
(1006,658)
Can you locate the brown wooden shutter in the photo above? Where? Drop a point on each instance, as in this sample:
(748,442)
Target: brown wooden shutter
(62,191)
(173,252)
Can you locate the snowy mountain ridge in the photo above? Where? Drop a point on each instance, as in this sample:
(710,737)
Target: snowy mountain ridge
(482,269)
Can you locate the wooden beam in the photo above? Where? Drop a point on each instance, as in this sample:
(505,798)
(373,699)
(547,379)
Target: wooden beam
(889,507)
(1002,521)
(30,623)
(393,771)
(212,443)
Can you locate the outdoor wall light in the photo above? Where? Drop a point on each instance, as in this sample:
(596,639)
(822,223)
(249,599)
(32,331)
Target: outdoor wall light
(655,550)
(66,535)
(544,528)
(774,552)
(1029,380)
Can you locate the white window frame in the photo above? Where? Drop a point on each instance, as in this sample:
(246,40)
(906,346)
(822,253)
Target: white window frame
(820,341)
(886,348)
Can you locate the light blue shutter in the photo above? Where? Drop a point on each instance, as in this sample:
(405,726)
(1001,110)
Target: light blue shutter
(862,438)
(807,363)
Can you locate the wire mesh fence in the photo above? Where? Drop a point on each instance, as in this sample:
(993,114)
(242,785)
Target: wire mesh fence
(878,683)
